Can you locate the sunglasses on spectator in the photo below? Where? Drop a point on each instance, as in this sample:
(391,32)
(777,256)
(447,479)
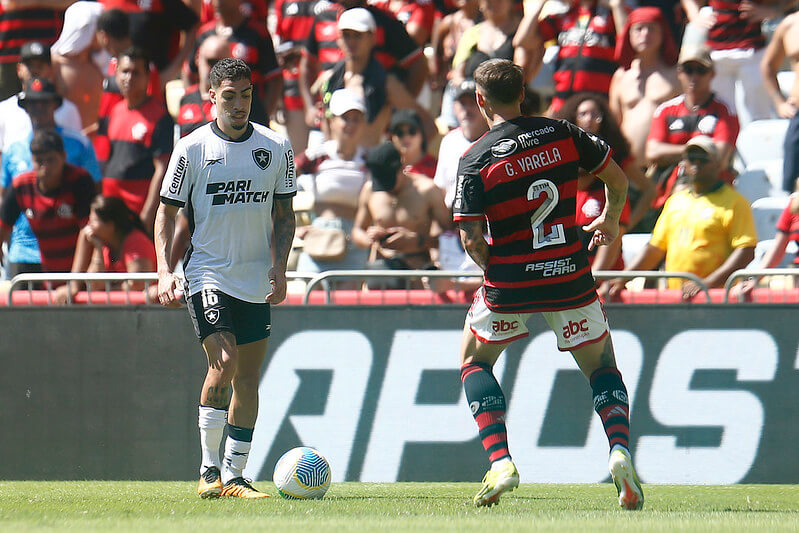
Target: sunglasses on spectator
(697,159)
(402,132)
(690,70)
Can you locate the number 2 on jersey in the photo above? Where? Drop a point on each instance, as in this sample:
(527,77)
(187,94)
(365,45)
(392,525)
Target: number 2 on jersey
(556,234)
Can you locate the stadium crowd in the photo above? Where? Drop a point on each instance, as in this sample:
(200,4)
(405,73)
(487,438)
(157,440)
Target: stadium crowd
(378,103)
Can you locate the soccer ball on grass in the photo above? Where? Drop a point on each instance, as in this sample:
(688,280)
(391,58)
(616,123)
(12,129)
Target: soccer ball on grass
(302,474)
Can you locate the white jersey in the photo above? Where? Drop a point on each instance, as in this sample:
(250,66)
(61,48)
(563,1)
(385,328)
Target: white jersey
(228,188)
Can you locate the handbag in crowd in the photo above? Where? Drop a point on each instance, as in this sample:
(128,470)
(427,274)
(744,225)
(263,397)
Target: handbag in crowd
(325,244)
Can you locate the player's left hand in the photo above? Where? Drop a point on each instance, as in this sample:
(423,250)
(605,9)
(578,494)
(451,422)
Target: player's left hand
(277,279)
(605,232)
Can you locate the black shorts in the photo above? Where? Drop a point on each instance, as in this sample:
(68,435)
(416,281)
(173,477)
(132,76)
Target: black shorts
(212,310)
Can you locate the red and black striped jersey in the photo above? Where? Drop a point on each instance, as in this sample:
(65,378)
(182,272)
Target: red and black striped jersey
(394,48)
(587,40)
(731,30)
(675,123)
(250,42)
(108,99)
(789,223)
(294,18)
(20,26)
(55,217)
(137,136)
(521,176)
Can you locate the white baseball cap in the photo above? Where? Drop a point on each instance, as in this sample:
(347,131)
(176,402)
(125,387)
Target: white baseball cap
(357,19)
(344,100)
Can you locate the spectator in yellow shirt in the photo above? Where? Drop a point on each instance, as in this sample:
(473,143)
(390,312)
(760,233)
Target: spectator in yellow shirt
(707,228)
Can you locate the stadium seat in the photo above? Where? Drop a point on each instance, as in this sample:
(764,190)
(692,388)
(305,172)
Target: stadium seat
(773,170)
(785,79)
(761,140)
(632,244)
(753,184)
(766,212)
(764,246)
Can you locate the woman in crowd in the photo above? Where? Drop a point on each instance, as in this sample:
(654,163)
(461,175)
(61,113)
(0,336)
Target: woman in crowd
(591,113)
(114,240)
(407,135)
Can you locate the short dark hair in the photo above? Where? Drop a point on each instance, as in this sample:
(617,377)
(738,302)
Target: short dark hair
(134,53)
(501,79)
(229,68)
(115,23)
(46,140)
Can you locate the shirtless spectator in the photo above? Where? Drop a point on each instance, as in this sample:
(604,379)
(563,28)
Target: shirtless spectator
(646,77)
(396,211)
(785,44)
(77,76)
(361,71)
(698,111)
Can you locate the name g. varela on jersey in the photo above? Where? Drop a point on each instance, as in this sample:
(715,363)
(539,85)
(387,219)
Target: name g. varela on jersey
(228,187)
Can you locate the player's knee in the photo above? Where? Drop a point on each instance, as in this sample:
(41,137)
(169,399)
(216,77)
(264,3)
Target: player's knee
(246,385)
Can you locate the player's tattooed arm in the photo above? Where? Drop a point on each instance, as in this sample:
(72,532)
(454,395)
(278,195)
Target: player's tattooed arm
(615,190)
(283,224)
(473,241)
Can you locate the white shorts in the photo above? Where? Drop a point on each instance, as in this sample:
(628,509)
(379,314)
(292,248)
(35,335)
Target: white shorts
(574,328)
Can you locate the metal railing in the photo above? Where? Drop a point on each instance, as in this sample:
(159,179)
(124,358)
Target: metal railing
(362,275)
(46,279)
(314,280)
(755,274)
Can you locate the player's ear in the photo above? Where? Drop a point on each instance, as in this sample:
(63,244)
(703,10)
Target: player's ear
(212,95)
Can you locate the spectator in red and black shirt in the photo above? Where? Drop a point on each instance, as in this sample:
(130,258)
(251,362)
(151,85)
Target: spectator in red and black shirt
(196,108)
(249,41)
(393,48)
(698,111)
(140,133)
(55,197)
(36,21)
(257,9)
(586,34)
(408,136)
(113,34)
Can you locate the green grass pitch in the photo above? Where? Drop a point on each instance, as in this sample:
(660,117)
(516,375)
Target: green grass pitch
(393,507)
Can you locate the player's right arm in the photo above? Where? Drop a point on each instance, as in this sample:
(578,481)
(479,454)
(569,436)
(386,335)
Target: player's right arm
(606,225)
(174,195)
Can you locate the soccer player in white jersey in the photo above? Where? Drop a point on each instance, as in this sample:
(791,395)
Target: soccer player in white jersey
(236,181)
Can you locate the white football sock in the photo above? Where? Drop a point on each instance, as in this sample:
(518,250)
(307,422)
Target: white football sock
(212,427)
(236,453)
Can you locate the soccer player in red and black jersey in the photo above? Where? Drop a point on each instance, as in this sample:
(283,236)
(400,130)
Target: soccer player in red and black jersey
(140,133)
(521,177)
(55,197)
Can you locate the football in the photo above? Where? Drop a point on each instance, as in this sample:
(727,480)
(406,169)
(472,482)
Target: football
(302,474)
